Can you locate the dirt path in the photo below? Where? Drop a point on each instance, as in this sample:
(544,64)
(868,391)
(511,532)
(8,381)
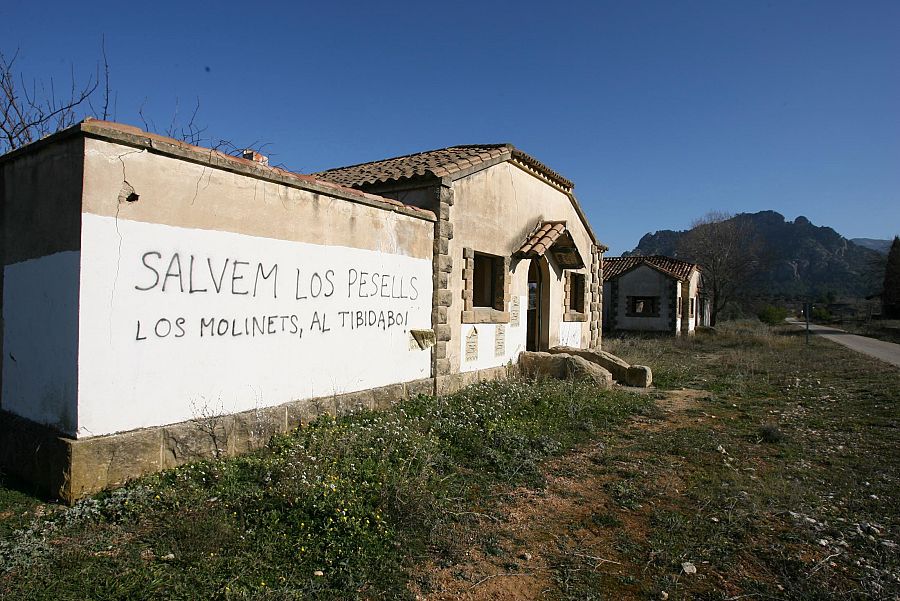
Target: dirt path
(538,541)
(888,352)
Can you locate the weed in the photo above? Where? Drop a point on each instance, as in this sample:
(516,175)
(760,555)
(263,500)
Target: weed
(335,507)
(770,433)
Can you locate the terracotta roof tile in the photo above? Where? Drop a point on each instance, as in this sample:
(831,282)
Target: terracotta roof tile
(439,163)
(613,267)
(542,239)
(552,237)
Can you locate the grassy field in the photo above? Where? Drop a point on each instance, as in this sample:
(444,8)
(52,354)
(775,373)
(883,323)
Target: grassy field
(759,468)
(337,510)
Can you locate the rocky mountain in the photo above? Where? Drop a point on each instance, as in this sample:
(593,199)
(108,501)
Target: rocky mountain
(802,260)
(876,244)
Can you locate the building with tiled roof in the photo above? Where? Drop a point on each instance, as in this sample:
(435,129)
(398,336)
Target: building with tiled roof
(613,267)
(517,263)
(652,294)
(150,284)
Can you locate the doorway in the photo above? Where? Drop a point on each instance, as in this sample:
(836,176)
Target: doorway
(538,323)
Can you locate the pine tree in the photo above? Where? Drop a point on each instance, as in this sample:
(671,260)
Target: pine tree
(890,296)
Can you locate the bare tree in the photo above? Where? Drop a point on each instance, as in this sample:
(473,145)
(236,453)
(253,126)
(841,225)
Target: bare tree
(33,108)
(29,110)
(730,254)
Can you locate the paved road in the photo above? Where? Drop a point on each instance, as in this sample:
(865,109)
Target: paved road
(886,351)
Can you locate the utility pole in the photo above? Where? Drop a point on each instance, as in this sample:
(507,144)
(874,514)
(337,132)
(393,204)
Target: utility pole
(807,310)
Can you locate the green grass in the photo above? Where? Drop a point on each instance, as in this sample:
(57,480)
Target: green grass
(778,480)
(337,510)
(810,437)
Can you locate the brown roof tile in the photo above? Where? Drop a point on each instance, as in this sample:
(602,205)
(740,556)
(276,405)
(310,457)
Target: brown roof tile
(551,236)
(542,239)
(438,163)
(613,267)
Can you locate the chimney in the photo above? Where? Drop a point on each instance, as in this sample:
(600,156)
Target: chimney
(252,155)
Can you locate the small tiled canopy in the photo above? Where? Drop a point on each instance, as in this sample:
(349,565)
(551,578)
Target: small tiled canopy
(552,236)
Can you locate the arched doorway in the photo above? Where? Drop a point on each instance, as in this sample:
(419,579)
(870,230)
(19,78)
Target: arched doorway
(538,322)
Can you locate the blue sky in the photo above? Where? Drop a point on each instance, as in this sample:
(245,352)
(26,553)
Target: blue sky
(658,111)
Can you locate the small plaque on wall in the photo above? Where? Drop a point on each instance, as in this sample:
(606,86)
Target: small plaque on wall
(500,341)
(472,345)
(514,312)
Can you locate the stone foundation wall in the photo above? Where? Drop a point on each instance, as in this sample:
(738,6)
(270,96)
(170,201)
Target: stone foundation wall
(68,469)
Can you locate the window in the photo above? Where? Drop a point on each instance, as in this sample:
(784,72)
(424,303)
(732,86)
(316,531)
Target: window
(574,297)
(576,292)
(692,307)
(486,288)
(484,281)
(643,306)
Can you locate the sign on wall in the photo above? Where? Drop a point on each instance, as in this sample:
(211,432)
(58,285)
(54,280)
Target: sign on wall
(216,322)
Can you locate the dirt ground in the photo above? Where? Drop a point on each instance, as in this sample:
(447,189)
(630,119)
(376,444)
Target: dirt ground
(540,527)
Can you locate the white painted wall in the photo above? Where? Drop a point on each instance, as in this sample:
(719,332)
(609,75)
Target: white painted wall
(687,291)
(643,281)
(680,319)
(487,336)
(570,333)
(40,339)
(131,374)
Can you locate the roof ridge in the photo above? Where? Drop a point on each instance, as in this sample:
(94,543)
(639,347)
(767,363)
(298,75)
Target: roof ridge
(413,154)
(671,266)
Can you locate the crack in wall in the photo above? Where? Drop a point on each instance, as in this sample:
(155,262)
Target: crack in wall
(129,197)
(200,179)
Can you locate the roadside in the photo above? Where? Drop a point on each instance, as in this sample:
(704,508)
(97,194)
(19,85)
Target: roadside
(882,329)
(888,352)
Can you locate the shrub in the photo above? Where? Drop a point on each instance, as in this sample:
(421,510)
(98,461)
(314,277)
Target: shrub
(820,314)
(772,315)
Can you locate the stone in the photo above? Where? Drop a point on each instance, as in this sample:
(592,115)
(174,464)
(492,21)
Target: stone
(580,368)
(616,366)
(254,429)
(492,373)
(447,384)
(426,338)
(386,396)
(196,440)
(443,298)
(101,462)
(425,386)
(623,373)
(562,366)
(639,375)
(353,402)
(689,568)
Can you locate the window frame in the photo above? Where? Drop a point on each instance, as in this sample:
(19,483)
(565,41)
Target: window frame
(499,278)
(631,306)
(575,294)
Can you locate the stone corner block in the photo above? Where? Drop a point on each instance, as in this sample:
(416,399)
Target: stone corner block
(639,375)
